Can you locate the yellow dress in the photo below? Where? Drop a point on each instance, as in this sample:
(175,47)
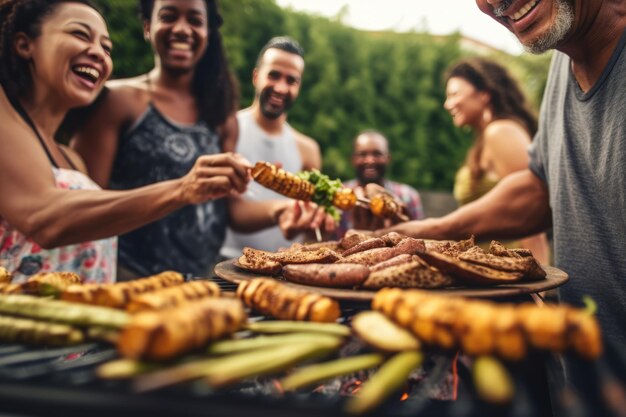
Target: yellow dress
(465,192)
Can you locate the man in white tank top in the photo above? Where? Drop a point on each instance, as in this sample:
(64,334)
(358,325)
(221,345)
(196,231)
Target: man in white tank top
(265,135)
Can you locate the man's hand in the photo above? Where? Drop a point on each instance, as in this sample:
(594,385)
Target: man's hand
(364,219)
(304,216)
(215,176)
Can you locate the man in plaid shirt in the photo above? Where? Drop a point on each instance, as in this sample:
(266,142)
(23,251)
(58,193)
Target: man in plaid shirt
(370,159)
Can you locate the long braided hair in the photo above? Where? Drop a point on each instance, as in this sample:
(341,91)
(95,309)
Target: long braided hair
(214,86)
(507,100)
(22,16)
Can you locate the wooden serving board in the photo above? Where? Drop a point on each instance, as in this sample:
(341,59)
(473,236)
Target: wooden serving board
(555,278)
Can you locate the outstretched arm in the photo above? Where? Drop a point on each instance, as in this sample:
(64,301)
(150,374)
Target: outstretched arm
(517,206)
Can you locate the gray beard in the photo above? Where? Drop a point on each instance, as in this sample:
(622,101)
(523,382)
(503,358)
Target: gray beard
(557,32)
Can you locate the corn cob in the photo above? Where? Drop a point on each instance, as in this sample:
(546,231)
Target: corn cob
(173,296)
(281,181)
(5,276)
(8,288)
(485,328)
(20,330)
(61,311)
(270,297)
(50,283)
(164,334)
(119,295)
(83,294)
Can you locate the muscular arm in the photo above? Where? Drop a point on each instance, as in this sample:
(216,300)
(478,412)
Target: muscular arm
(52,216)
(251,216)
(517,206)
(309,151)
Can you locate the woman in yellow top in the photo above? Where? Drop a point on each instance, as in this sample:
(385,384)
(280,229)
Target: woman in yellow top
(481,95)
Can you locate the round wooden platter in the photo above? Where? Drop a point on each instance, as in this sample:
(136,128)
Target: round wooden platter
(555,278)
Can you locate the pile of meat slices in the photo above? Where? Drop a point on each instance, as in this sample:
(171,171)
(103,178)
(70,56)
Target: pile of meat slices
(393,260)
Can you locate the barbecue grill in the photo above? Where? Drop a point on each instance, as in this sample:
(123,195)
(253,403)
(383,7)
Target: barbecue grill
(62,381)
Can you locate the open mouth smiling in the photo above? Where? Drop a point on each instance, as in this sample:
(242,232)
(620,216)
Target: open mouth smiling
(88,73)
(527,8)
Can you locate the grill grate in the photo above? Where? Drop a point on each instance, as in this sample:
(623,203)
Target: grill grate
(62,381)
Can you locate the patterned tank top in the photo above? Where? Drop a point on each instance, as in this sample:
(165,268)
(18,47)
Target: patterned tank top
(94,261)
(189,239)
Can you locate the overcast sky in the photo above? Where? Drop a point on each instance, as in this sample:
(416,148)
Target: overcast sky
(436,16)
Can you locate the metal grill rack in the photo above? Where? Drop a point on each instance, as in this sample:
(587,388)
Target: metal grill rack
(62,381)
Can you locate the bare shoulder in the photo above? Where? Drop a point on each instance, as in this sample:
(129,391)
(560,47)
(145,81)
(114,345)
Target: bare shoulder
(128,89)
(505,129)
(309,150)
(122,101)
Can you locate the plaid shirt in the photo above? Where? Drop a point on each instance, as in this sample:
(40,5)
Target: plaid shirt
(405,193)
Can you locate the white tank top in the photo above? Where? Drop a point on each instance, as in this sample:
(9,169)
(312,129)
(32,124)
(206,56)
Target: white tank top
(257,145)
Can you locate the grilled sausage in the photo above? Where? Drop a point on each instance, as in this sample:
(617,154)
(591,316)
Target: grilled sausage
(327,275)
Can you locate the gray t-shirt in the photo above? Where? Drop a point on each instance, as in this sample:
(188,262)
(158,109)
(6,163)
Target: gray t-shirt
(580,153)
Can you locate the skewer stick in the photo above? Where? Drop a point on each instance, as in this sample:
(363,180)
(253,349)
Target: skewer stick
(318,234)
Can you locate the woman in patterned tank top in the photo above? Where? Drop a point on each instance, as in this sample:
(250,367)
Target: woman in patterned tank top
(55,56)
(153,127)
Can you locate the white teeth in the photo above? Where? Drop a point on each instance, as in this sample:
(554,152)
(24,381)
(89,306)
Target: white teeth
(181,46)
(92,72)
(524,10)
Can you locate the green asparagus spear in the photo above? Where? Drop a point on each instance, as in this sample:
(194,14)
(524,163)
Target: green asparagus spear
(20,330)
(125,368)
(316,373)
(386,381)
(62,311)
(285,326)
(234,368)
(223,347)
(492,381)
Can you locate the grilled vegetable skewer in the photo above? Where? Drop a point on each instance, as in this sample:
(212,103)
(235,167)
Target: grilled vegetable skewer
(283,182)
(292,186)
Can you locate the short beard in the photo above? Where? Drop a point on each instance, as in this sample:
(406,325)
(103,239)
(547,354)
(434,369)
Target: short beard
(268,114)
(557,32)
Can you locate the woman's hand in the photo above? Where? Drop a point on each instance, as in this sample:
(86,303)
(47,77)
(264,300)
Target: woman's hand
(304,216)
(215,176)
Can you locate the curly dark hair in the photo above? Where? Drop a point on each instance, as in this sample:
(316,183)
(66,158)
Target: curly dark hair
(507,99)
(214,85)
(22,16)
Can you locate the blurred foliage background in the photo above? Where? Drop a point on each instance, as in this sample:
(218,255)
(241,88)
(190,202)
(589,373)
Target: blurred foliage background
(354,80)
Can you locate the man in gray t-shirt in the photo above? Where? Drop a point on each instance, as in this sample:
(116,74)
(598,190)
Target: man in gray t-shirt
(576,180)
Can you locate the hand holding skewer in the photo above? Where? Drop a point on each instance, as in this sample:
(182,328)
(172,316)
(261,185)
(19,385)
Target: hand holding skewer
(381,203)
